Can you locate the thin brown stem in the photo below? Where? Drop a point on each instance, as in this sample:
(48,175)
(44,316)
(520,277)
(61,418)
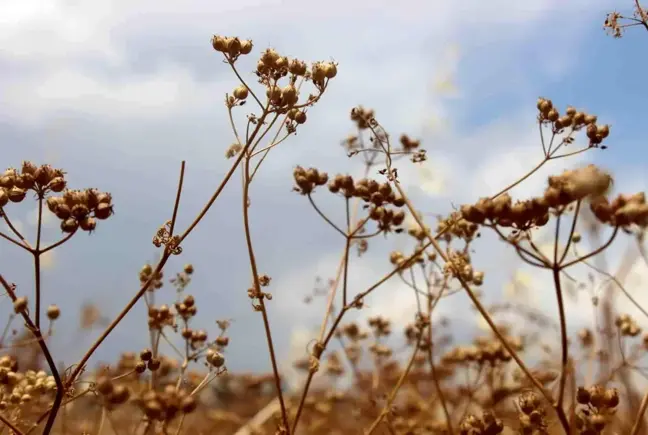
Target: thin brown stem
(142,291)
(639,419)
(60,388)
(394,391)
(37,254)
(260,296)
(15,231)
(10,425)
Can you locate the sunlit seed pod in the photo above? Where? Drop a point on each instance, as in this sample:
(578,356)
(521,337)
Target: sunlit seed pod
(219,43)
(246,46)
(241,92)
(53,312)
(16,194)
(300,117)
(69,225)
(88,223)
(20,305)
(56,184)
(330,70)
(103,211)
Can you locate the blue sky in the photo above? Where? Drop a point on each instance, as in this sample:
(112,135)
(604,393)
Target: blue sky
(119,94)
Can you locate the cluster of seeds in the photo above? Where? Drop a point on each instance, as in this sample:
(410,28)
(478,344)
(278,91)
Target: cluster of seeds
(408,143)
(161,316)
(503,212)
(628,327)
(232,47)
(459,227)
(18,388)
(167,404)
(598,405)
(459,265)
(485,350)
(572,119)
(377,196)
(308,179)
(576,184)
(623,211)
(399,259)
(112,394)
(145,274)
(487,424)
(361,116)
(380,326)
(14,184)
(81,209)
(533,419)
(564,189)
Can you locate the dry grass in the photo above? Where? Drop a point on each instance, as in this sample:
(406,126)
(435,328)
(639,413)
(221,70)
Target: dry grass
(429,386)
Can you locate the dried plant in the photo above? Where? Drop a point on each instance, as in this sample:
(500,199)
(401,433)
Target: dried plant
(429,385)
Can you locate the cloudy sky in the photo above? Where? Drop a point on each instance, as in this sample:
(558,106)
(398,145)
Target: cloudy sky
(118,93)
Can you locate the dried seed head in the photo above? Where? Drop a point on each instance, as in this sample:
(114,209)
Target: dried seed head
(300,117)
(233,46)
(289,95)
(219,43)
(330,70)
(53,312)
(297,67)
(88,224)
(246,46)
(153,364)
(241,92)
(20,305)
(233,150)
(103,211)
(215,358)
(56,184)
(69,225)
(188,404)
(16,194)
(318,72)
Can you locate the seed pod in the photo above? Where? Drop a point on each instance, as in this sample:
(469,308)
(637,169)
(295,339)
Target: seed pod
(219,43)
(20,305)
(69,225)
(53,312)
(56,184)
(241,92)
(103,211)
(88,223)
(16,194)
(153,364)
(188,404)
(330,70)
(300,117)
(246,46)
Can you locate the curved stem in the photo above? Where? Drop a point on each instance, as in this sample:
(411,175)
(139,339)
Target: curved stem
(15,231)
(399,384)
(60,388)
(528,174)
(142,291)
(259,294)
(14,241)
(310,198)
(10,425)
(593,253)
(59,243)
